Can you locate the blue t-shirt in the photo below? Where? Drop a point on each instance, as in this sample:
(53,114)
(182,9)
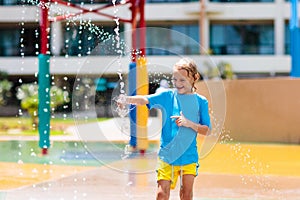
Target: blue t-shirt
(179,144)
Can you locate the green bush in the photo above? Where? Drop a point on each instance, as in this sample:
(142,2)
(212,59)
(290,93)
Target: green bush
(222,70)
(5,93)
(28,94)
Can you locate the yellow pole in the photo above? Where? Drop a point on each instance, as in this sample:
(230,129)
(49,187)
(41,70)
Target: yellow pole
(142,87)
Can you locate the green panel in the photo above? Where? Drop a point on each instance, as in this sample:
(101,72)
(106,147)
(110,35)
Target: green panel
(44,100)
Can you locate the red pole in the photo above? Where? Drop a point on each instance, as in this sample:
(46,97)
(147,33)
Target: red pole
(142,27)
(44,25)
(133,34)
(201,26)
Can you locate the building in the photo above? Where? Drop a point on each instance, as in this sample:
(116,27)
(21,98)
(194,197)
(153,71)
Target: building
(251,35)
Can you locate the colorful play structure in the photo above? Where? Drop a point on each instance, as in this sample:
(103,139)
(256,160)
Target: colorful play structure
(138,76)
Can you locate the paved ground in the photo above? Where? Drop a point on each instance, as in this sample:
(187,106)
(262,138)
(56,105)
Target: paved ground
(107,184)
(109,130)
(230,171)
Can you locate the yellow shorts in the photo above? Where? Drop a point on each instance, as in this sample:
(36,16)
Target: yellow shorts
(169,172)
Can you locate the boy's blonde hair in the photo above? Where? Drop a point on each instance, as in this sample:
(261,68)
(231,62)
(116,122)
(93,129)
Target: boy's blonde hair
(191,68)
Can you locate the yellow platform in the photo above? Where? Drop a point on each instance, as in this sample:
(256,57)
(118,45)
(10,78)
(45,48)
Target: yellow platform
(253,159)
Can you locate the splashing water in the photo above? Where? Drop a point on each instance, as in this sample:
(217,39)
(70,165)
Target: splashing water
(127,152)
(128,190)
(256,168)
(124,109)
(120,105)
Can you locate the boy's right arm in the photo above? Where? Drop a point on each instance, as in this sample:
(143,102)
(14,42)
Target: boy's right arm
(137,100)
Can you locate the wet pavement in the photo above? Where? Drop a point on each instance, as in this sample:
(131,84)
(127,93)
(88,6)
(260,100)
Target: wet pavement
(103,169)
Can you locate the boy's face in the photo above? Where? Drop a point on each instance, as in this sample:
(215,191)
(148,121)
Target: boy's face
(181,81)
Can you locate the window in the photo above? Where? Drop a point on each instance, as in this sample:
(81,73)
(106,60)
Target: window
(236,39)
(17,2)
(10,44)
(84,39)
(287,40)
(240,1)
(170,1)
(91,1)
(173,39)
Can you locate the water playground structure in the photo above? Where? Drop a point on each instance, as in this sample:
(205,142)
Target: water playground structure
(138,80)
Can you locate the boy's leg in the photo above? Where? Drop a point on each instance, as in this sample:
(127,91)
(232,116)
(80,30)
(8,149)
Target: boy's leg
(186,191)
(163,190)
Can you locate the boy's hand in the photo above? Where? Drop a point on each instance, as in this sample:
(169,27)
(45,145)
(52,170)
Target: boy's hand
(121,101)
(120,105)
(181,120)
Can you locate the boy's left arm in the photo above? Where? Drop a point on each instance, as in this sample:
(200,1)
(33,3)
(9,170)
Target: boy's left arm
(201,129)
(198,128)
